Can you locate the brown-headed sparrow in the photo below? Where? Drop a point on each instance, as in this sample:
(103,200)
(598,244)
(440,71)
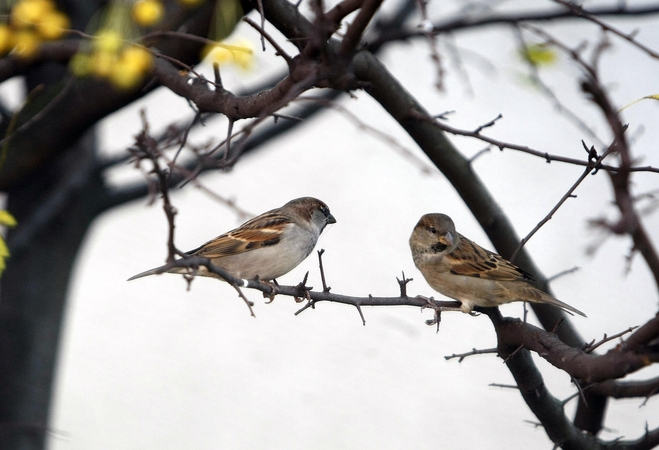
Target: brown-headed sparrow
(267,246)
(462,270)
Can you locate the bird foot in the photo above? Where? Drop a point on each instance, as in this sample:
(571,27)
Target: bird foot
(430,303)
(305,292)
(275,290)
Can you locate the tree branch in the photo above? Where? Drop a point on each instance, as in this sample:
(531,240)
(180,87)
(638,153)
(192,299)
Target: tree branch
(467,22)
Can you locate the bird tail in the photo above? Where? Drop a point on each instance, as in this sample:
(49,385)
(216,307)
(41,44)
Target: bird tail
(552,301)
(155,271)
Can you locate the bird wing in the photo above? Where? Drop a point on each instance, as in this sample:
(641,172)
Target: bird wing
(471,260)
(261,231)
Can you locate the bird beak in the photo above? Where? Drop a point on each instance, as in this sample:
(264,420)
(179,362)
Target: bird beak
(330,219)
(447,239)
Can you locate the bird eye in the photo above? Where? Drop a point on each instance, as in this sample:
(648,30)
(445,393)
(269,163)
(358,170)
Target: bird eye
(433,230)
(324,210)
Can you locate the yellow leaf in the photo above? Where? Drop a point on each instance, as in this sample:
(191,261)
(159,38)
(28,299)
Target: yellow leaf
(227,14)
(7,219)
(539,55)
(4,254)
(4,251)
(647,97)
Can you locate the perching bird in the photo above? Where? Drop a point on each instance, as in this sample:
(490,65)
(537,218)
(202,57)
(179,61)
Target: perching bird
(267,246)
(462,270)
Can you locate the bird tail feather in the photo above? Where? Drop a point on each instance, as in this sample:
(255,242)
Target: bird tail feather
(552,301)
(157,270)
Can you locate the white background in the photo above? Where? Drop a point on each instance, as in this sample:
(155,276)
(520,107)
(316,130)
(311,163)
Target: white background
(147,364)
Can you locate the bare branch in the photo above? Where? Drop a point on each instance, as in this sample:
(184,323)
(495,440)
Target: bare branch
(279,49)
(525,149)
(593,165)
(467,22)
(474,351)
(580,11)
(589,348)
(356,29)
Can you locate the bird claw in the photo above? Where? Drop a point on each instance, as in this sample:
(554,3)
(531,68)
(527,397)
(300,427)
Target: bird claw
(430,303)
(274,286)
(301,286)
(307,297)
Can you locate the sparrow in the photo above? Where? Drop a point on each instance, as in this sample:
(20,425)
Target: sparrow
(267,246)
(462,270)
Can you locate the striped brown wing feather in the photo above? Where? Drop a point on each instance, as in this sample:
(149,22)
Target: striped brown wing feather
(261,231)
(471,260)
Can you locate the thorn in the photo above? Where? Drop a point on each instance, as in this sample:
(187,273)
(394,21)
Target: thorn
(403,285)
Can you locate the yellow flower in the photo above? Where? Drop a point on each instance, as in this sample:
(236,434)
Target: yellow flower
(4,254)
(27,12)
(136,57)
(27,43)
(53,25)
(102,63)
(8,220)
(81,64)
(6,39)
(240,54)
(108,41)
(148,12)
(130,68)
(190,2)
(125,77)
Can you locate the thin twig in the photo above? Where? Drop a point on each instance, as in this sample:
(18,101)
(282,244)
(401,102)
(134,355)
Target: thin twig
(589,348)
(326,288)
(525,149)
(278,48)
(580,11)
(488,124)
(505,386)
(402,283)
(562,273)
(474,351)
(592,165)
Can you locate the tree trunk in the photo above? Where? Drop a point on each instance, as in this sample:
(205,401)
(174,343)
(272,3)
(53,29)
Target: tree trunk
(54,210)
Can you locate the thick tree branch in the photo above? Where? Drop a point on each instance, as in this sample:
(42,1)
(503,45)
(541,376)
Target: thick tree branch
(84,103)
(356,29)
(546,407)
(590,368)
(232,106)
(627,389)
